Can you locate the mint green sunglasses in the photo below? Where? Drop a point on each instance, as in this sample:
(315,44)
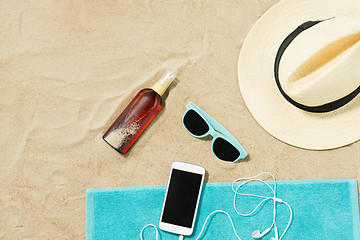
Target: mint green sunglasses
(199,124)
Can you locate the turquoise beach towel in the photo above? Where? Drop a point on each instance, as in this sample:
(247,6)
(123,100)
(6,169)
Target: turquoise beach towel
(323,210)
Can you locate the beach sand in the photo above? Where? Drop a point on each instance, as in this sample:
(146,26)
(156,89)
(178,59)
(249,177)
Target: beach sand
(69,68)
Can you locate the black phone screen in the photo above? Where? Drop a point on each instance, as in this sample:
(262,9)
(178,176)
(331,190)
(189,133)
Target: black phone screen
(182,196)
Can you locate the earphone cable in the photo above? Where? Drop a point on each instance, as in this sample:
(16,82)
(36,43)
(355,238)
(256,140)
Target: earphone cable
(213,213)
(252,179)
(149,225)
(290,220)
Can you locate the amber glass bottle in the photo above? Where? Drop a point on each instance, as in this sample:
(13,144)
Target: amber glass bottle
(137,115)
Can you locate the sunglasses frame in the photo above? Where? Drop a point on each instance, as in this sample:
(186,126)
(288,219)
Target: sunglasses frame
(216,130)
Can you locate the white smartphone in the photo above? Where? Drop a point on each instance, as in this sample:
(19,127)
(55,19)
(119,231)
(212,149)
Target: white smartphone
(182,198)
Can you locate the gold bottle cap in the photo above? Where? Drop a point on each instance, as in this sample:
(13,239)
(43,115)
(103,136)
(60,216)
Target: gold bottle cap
(164,82)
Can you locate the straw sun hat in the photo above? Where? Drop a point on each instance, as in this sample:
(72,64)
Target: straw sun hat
(299,72)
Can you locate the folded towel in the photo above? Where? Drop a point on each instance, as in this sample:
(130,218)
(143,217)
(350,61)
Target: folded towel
(323,210)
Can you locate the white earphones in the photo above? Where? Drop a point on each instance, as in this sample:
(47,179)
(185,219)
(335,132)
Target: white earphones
(257,234)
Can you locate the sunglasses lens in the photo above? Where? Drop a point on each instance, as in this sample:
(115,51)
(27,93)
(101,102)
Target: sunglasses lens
(225,150)
(195,124)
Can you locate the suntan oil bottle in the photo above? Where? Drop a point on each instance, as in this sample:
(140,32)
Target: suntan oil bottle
(137,115)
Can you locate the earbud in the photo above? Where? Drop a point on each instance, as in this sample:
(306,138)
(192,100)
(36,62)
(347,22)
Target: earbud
(257,234)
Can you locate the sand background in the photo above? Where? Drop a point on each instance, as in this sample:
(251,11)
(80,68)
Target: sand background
(67,70)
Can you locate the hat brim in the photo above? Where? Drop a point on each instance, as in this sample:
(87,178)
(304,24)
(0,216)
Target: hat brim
(317,131)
